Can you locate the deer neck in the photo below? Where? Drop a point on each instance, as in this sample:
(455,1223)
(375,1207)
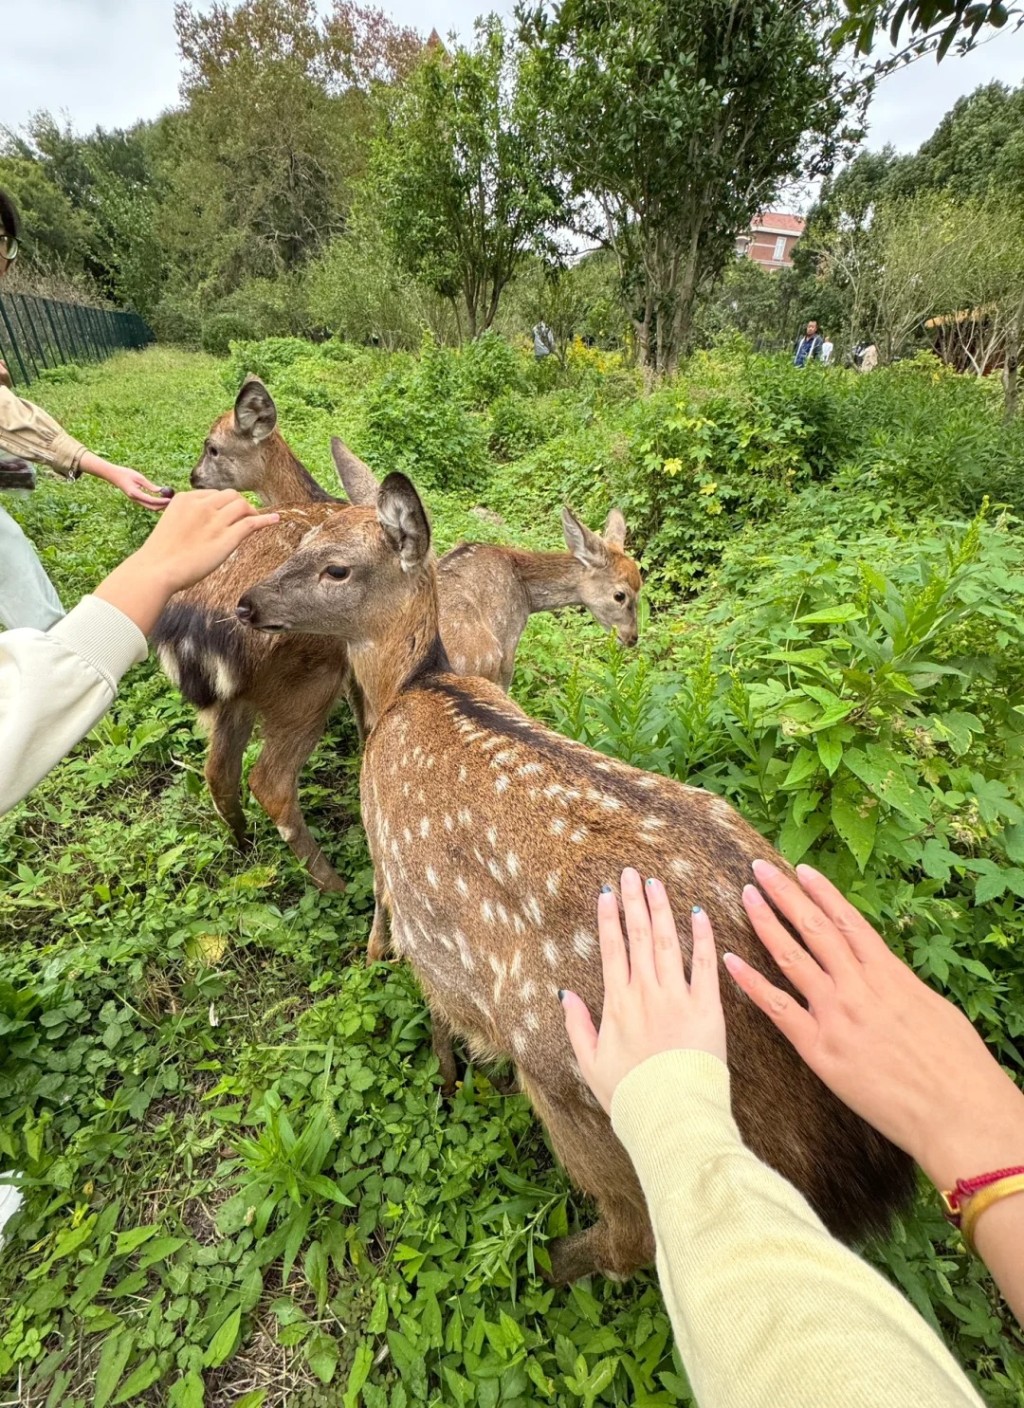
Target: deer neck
(286,480)
(550,580)
(384,667)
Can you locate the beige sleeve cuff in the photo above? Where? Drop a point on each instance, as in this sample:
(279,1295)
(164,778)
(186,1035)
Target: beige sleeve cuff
(102,636)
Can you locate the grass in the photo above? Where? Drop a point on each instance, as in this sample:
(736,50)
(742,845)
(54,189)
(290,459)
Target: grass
(242,1186)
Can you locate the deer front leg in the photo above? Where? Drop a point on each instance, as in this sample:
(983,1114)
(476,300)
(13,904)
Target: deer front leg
(379,942)
(292,728)
(230,725)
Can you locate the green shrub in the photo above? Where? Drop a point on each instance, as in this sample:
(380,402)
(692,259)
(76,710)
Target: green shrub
(416,421)
(265,358)
(489,367)
(516,426)
(222,329)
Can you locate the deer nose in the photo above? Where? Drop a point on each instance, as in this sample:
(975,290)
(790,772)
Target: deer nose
(244,609)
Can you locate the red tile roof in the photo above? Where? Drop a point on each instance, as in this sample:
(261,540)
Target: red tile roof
(777,222)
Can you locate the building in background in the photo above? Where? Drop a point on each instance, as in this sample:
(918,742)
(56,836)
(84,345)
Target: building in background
(770,239)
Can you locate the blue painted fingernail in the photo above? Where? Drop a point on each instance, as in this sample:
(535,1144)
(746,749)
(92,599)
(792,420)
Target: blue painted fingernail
(697,909)
(561,994)
(606,889)
(650,880)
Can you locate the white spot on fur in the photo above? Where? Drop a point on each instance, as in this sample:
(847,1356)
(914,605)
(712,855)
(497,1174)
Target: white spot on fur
(516,966)
(502,912)
(505,756)
(463,774)
(169,662)
(449,824)
(512,861)
(518,924)
(532,910)
(492,835)
(487,911)
(461,885)
(532,1020)
(611,804)
(681,869)
(465,952)
(528,990)
(407,835)
(520,1041)
(651,823)
(495,869)
(501,782)
(579,835)
(583,943)
(425,827)
(432,878)
(557,826)
(528,769)
(465,816)
(550,952)
(553,882)
(287,833)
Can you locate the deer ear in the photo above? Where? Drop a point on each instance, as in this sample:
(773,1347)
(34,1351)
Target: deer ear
(584,544)
(615,530)
(357,479)
(404,520)
(255,412)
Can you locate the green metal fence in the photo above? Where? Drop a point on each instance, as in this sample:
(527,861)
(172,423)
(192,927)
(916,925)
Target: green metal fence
(36,333)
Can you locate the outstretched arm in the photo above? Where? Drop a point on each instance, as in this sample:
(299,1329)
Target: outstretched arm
(55,684)
(892,1049)
(767,1307)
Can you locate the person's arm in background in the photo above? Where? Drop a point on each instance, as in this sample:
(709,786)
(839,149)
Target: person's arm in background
(55,684)
(904,1058)
(767,1307)
(27,430)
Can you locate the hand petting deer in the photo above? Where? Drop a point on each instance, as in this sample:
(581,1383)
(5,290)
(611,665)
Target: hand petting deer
(290,685)
(490,837)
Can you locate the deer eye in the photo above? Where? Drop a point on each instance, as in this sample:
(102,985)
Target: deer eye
(620,596)
(337,574)
(212,451)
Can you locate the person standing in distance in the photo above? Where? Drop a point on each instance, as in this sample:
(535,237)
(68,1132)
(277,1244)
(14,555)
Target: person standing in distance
(808,348)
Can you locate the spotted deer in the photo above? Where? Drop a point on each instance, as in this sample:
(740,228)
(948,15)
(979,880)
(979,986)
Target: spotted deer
(491,836)
(291,685)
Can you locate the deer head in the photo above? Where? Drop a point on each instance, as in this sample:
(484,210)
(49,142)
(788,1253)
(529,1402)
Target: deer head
(235,450)
(350,576)
(610,583)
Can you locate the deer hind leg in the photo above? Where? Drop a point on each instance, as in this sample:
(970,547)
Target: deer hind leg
(622,1240)
(230,724)
(292,727)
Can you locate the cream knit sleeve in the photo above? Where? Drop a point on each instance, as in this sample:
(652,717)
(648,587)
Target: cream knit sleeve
(54,685)
(769,1310)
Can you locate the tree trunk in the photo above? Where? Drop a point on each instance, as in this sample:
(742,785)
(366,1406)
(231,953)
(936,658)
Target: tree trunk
(1010,386)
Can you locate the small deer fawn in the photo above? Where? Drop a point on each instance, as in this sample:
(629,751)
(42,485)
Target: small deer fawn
(491,837)
(290,685)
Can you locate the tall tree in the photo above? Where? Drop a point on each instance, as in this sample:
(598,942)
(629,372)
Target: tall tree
(680,119)
(466,172)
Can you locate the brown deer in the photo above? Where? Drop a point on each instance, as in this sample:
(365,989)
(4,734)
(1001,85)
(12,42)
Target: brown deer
(291,685)
(491,836)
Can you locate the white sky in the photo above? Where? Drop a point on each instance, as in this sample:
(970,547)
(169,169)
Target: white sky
(110,62)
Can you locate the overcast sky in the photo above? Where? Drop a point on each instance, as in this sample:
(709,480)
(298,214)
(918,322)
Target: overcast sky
(109,62)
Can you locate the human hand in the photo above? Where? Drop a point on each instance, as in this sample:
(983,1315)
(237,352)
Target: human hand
(891,1048)
(5,377)
(136,487)
(196,533)
(649,1006)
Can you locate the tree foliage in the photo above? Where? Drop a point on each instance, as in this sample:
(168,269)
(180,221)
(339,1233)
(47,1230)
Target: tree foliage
(735,101)
(466,172)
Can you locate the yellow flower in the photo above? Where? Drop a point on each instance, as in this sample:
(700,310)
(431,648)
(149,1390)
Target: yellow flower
(673,466)
(711,488)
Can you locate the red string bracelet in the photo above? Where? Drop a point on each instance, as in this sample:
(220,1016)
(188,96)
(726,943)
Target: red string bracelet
(954,1198)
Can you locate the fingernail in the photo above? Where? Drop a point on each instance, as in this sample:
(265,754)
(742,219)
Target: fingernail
(561,994)
(753,894)
(731,962)
(651,880)
(606,889)
(764,867)
(697,909)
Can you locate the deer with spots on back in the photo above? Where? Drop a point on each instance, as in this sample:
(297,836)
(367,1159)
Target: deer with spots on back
(291,684)
(491,836)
